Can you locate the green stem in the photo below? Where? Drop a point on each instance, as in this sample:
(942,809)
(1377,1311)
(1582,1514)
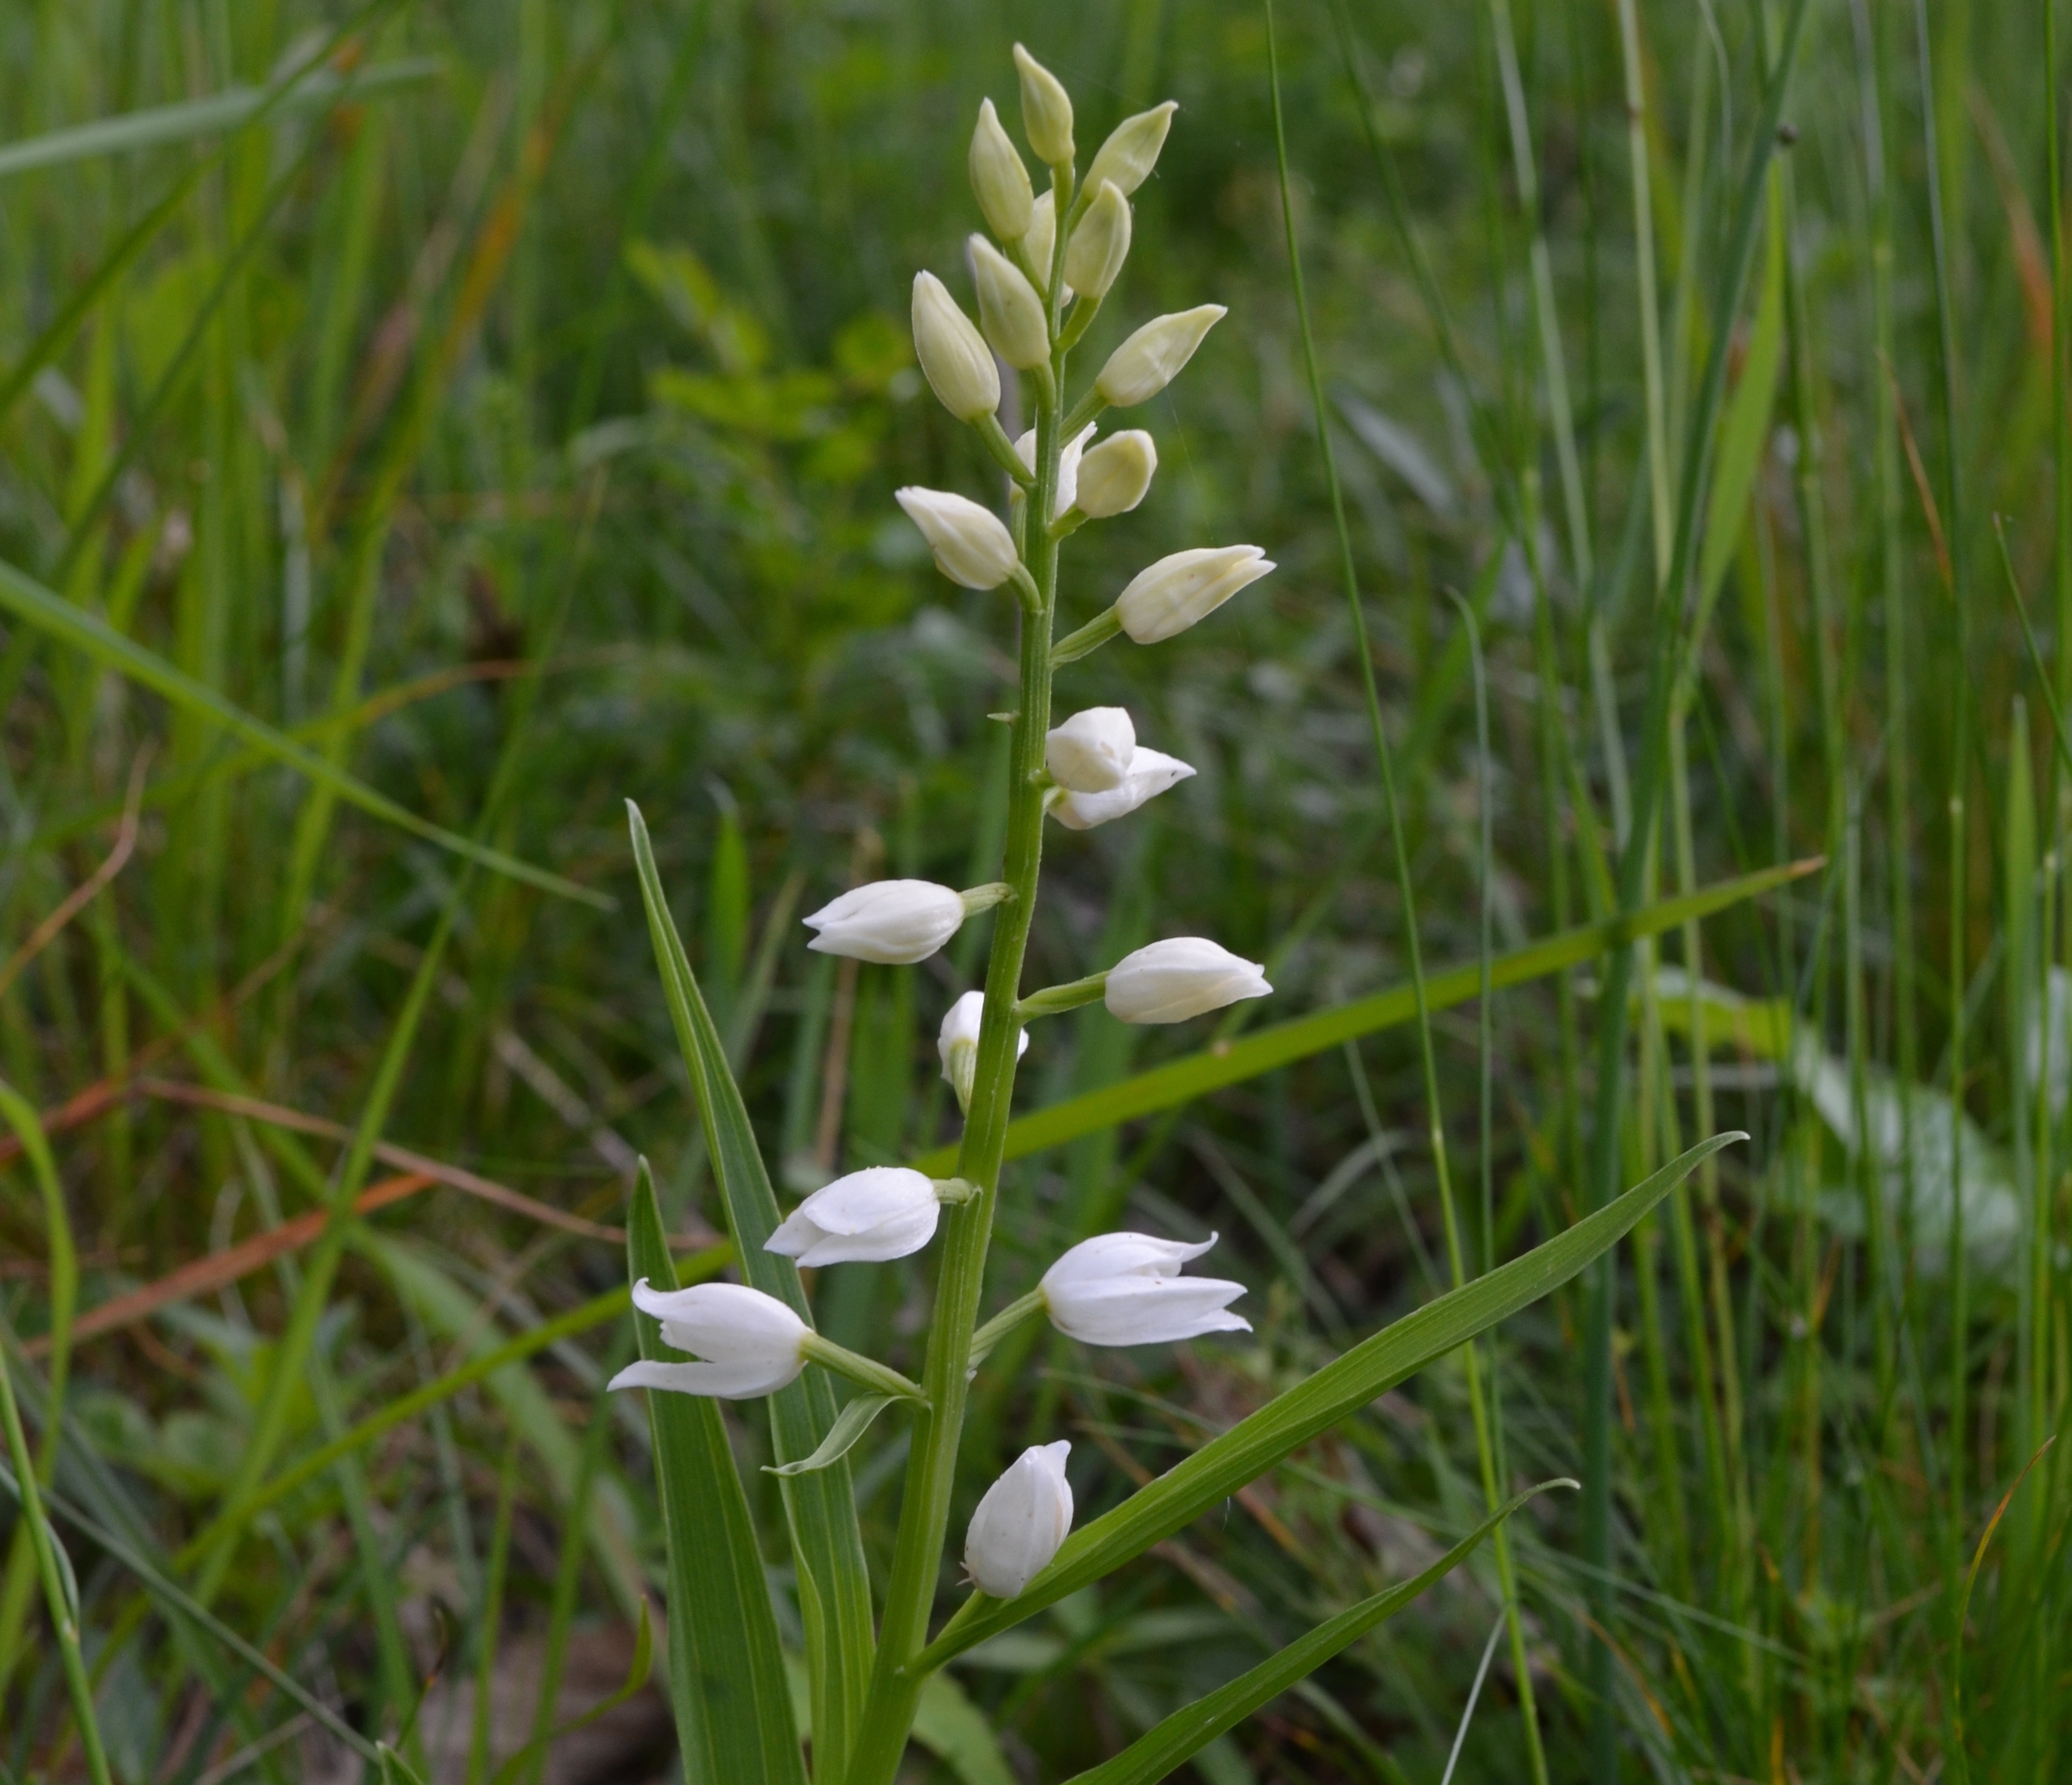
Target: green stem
(867,1373)
(1054,1001)
(1087,640)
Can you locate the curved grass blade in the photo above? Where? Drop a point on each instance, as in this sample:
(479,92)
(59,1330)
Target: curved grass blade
(726,1671)
(29,601)
(1256,1443)
(851,1424)
(1169,1744)
(827,1544)
(636,1678)
(1231,1062)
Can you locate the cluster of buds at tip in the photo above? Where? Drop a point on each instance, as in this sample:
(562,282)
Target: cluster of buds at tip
(958,1043)
(1019,1525)
(897,923)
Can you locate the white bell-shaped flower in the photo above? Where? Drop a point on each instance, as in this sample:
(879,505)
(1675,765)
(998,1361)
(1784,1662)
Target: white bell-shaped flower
(1152,358)
(1132,149)
(970,543)
(1115,474)
(1170,981)
(1151,773)
(1168,596)
(960,366)
(999,178)
(750,1343)
(884,1211)
(1026,1516)
(957,1043)
(1068,460)
(1126,1288)
(1046,110)
(1091,751)
(893,922)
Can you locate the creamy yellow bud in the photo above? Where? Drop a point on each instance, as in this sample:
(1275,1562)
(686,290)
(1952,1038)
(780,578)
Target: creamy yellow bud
(1046,111)
(1114,476)
(952,353)
(1009,310)
(999,178)
(1042,239)
(1098,247)
(1132,149)
(1151,359)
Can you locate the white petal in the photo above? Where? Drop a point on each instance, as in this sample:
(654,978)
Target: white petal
(721,1382)
(1151,773)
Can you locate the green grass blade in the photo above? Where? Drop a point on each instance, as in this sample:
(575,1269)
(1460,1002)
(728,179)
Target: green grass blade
(1160,1750)
(30,602)
(1256,1443)
(1230,1063)
(827,1543)
(726,1671)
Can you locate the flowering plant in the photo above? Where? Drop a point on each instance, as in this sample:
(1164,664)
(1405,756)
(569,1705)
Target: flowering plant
(1038,284)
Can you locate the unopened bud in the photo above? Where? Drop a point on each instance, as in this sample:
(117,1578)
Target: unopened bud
(1168,982)
(1101,244)
(1132,149)
(971,545)
(958,1044)
(892,923)
(1172,594)
(1114,476)
(1046,111)
(1009,310)
(952,353)
(1021,1522)
(1091,751)
(999,178)
(1042,240)
(1151,359)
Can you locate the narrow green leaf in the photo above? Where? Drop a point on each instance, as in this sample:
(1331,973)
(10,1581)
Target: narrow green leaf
(827,1545)
(1231,1062)
(851,1424)
(1745,427)
(726,1670)
(29,601)
(1160,1749)
(1252,1446)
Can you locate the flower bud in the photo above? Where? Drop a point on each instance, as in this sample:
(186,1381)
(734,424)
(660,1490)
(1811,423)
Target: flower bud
(1046,111)
(1114,476)
(1026,1516)
(752,1343)
(970,544)
(1151,359)
(894,923)
(1126,1288)
(957,1043)
(1132,151)
(1168,982)
(999,178)
(1169,596)
(1101,243)
(1151,773)
(1042,240)
(885,1211)
(954,355)
(1009,310)
(1068,461)
(1091,751)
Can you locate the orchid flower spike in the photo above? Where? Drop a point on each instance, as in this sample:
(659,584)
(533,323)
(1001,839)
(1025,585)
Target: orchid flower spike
(1170,981)
(1126,1288)
(1026,1516)
(750,1343)
(1151,773)
(958,1044)
(884,1211)
(1068,461)
(893,922)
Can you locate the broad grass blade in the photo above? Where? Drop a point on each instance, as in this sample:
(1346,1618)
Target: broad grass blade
(1159,1750)
(1252,1446)
(1231,1062)
(827,1545)
(726,1671)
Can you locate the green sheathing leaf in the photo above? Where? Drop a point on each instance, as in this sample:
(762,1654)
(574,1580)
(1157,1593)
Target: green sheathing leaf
(726,1671)
(827,1545)
(1256,1443)
(1188,1730)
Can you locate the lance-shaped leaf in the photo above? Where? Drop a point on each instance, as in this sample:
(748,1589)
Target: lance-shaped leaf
(1191,1728)
(1252,1446)
(827,1545)
(851,1424)
(726,1670)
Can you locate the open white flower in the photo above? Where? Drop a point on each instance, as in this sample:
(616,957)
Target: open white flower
(1068,457)
(750,1343)
(1170,981)
(970,543)
(893,922)
(1126,1288)
(883,1211)
(1151,773)
(1026,1516)
(1091,751)
(1168,596)
(957,1043)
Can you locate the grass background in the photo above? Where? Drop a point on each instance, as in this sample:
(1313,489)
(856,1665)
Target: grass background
(508,414)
